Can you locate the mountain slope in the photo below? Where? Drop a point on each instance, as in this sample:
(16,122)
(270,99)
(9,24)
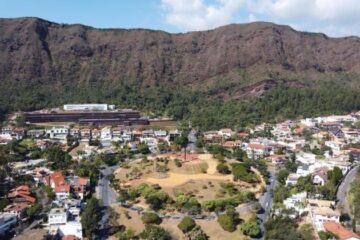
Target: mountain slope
(44,63)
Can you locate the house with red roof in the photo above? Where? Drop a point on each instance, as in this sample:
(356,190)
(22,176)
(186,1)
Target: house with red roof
(58,183)
(21,194)
(341,232)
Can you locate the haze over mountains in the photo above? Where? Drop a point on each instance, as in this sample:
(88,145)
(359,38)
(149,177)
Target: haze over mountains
(79,63)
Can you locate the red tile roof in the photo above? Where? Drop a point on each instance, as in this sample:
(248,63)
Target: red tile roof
(340,231)
(256,146)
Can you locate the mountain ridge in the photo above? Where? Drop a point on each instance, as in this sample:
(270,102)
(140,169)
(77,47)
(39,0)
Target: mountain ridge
(43,63)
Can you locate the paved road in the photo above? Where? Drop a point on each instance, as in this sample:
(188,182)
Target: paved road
(266,201)
(344,188)
(106,194)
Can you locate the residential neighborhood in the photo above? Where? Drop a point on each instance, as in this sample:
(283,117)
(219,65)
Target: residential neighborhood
(54,172)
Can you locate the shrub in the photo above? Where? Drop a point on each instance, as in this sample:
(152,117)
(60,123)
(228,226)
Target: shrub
(223,168)
(154,232)
(186,224)
(251,228)
(227,222)
(151,218)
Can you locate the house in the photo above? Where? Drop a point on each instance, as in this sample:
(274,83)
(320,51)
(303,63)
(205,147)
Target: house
(297,202)
(106,133)
(85,133)
(95,133)
(75,132)
(17,208)
(232,144)
(35,133)
(173,134)
(160,133)
(212,136)
(7,221)
(127,136)
(226,133)
(57,182)
(116,132)
(80,186)
(292,179)
(320,176)
(72,228)
(21,194)
(303,170)
(277,159)
(257,150)
(57,216)
(58,132)
(148,133)
(322,211)
(151,142)
(338,230)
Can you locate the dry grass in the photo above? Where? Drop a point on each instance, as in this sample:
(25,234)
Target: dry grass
(134,222)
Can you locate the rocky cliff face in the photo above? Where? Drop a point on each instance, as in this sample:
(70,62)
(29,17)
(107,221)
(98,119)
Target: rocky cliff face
(35,53)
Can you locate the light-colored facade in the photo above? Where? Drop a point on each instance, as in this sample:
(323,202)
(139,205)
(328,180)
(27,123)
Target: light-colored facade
(7,221)
(88,106)
(57,216)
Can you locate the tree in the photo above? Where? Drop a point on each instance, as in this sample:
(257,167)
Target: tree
(143,148)
(307,231)
(227,222)
(91,216)
(282,176)
(281,228)
(251,228)
(34,210)
(335,176)
(152,232)
(128,234)
(151,218)
(182,141)
(186,224)
(239,154)
(351,157)
(156,200)
(223,168)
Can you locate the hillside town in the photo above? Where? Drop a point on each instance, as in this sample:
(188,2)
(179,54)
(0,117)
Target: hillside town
(75,180)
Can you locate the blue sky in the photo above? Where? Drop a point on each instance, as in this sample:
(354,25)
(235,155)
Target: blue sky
(333,17)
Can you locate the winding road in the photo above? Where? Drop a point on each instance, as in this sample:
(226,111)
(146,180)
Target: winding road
(344,188)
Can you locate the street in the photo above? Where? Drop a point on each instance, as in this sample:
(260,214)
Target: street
(266,201)
(106,194)
(344,188)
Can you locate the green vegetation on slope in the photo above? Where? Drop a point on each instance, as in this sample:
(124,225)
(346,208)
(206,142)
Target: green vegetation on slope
(201,107)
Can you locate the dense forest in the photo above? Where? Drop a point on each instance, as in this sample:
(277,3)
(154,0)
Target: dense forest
(204,110)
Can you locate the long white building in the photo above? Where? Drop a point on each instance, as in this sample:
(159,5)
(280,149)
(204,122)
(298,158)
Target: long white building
(88,106)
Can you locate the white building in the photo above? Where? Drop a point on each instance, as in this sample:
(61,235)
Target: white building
(292,179)
(7,221)
(160,133)
(58,132)
(297,202)
(106,133)
(57,216)
(322,211)
(88,106)
(71,228)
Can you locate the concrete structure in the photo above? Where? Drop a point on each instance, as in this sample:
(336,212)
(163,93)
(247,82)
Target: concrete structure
(57,216)
(7,221)
(88,106)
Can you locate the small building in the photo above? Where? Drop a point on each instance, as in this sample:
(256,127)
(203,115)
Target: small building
(292,179)
(338,230)
(7,221)
(320,176)
(57,216)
